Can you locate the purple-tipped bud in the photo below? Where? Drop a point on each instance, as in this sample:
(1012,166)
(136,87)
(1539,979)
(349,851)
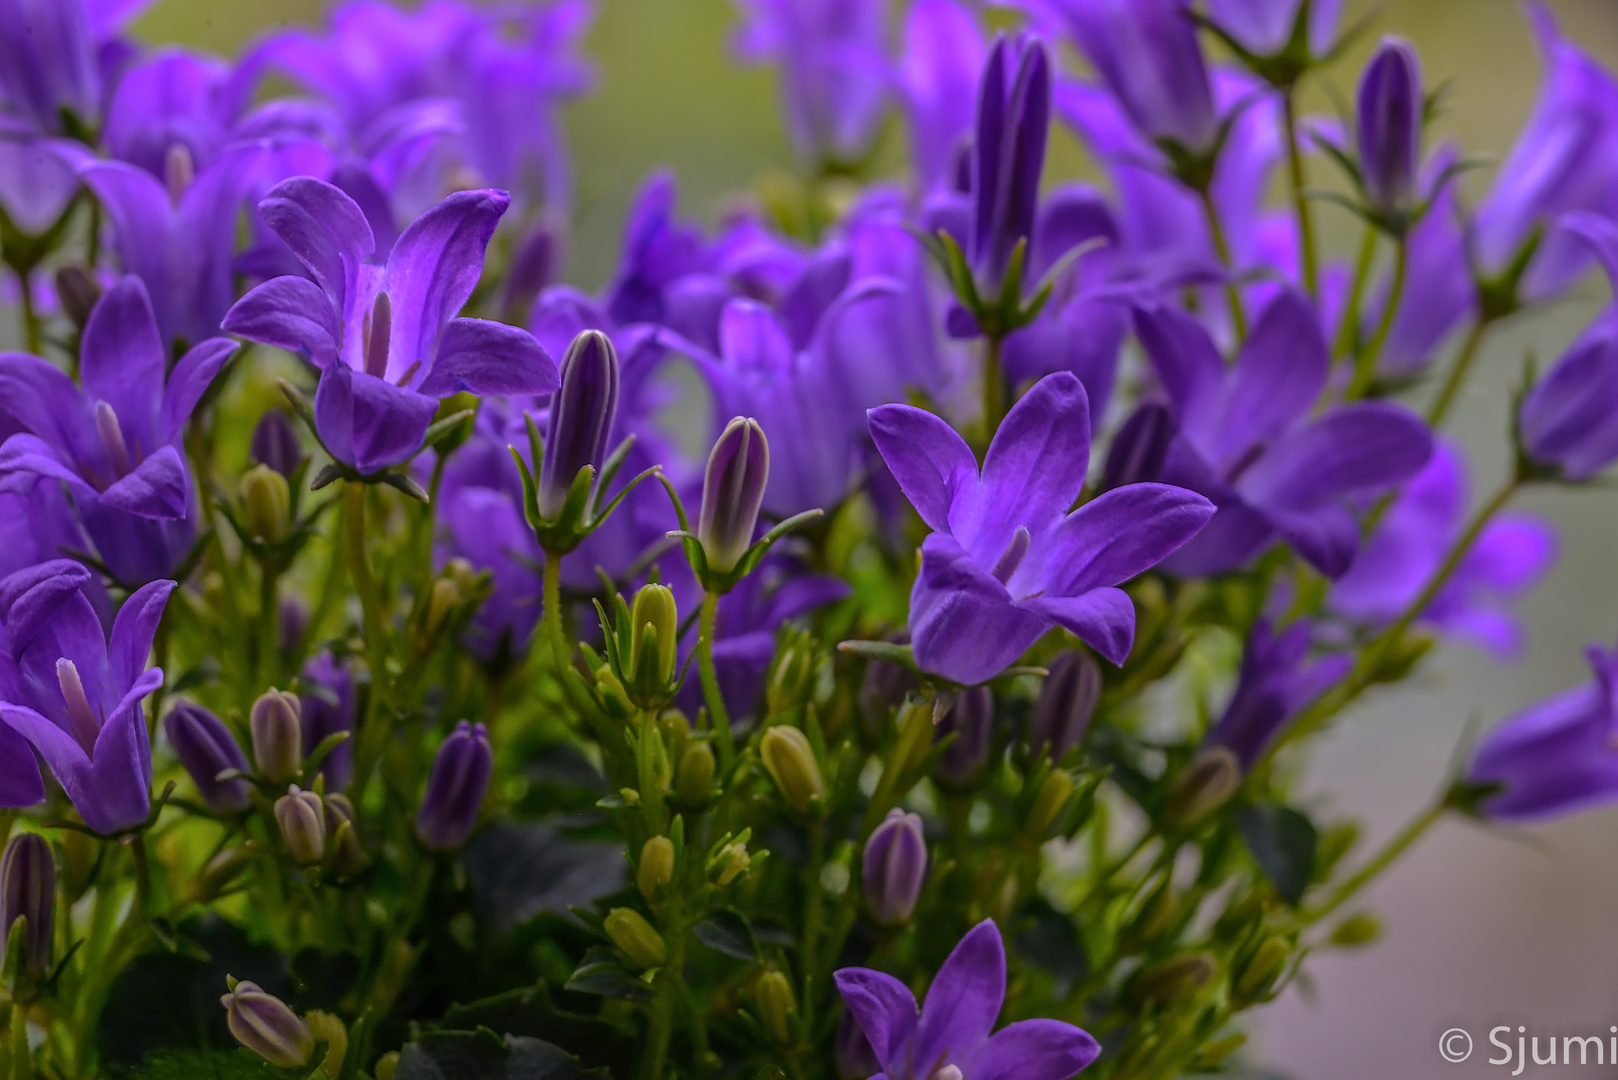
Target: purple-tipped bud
(971,718)
(267,1026)
(206,748)
(327,697)
(1569,420)
(301,817)
(1013,124)
(276,728)
(1066,703)
(28,891)
(455,790)
(1140,447)
(275,443)
(1391,109)
(342,837)
(732,492)
(894,868)
(851,1052)
(582,412)
(533,266)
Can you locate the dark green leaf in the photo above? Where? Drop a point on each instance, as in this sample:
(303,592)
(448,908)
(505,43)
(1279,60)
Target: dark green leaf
(728,931)
(604,977)
(520,869)
(483,1055)
(1051,941)
(529,1012)
(1282,842)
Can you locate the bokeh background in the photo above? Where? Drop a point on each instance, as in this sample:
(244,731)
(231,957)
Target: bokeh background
(1482,930)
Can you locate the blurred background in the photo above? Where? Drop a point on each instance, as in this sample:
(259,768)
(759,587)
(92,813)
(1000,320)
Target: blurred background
(1482,930)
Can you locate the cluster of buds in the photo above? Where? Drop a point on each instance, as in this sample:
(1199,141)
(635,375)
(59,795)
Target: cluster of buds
(641,669)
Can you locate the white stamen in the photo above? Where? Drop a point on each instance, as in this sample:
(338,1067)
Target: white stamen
(81,719)
(179,170)
(112,440)
(1012,557)
(948,1072)
(378,328)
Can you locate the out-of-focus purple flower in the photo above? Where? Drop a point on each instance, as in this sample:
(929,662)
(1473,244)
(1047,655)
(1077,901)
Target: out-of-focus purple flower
(894,867)
(52,57)
(275,443)
(1248,441)
(1388,132)
(387,339)
(1006,560)
(1008,154)
(206,748)
(36,185)
(1277,680)
(951,1032)
(1266,27)
(1141,447)
(970,719)
(455,789)
(1565,159)
(326,707)
(1067,700)
(939,71)
(75,696)
(1411,542)
(582,413)
(835,72)
(1558,756)
(172,110)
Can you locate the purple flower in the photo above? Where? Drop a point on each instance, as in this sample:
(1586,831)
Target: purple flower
(326,707)
(455,789)
(834,67)
(75,696)
(970,719)
(386,338)
(1248,440)
(1557,756)
(1277,680)
(52,55)
(1411,542)
(581,418)
(1008,154)
(206,748)
(894,867)
(174,110)
(1388,133)
(1006,561)
(939,70)
(953,1027)
(1265,27)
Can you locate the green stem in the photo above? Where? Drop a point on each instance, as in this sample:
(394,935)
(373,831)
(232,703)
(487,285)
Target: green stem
(1233,293)
(994,388)
(160,659)
(371,738)
(1458,373)
(710,684)
(1349,328)
(22,1064)
(651,792)
(143,881)
(1300,201)
(1383,859)
(663,1015)
(269,622)
(813,915)
(552,601)
(1365,363)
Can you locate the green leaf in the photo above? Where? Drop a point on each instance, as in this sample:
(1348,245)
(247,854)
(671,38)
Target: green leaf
(201,1065)
(1282,841)
(728,931)
(483,1055)
(1051,941)
(406,483)
(439,430)
(530,1012)
(518,870)
(885,651)
(602,975)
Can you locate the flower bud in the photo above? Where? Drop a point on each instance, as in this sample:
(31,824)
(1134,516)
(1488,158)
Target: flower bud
(77,292)
(732,492)
(656,865)
(1175,979)
(266,1026)
(851,1050)
(301,817)
(1155,918)
(206,748)
(732,862)
(276,724)
(266,504)
(791,763)
(581,417)
(533,266)
(1357,930)
(441,601)
(275,443)
(970,718)
(1140,447)
(326,700)
(342,839)
(777,1006)
(639,940)
(1391,109)
(1066,703)
(693,777)
(654,632)
(386,1066)
(1206,784)
(1050,803)
(1261,971)
(28,891)
(894,868)
(218,873)
(882,690)
(455,789)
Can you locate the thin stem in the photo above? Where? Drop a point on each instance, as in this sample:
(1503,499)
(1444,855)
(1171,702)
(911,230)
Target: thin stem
(1458,373)
(813,916)
(160,659)
(1365,363)
(143,880)
(710,684)
(269,622)
(1300,201)
(376,647)
(1350,326)
(1383,859)
(663,1013)
(552,601)
(22,1065)
(1238,320)
(30,314)
(994,388)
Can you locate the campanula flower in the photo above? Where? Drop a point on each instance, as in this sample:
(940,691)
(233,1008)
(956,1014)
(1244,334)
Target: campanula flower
(1008,154)
(386,338)
(939,70)
(969,723)
(206,748)
(51,57)
(1266,27)
(28,891)
(74,695)
(1558,756)
(1006,560)
(1248,441)
(455,790)
(894,868)
(1388,128)
(579,431)
(1067,701)
(1277,680)
(951,1032)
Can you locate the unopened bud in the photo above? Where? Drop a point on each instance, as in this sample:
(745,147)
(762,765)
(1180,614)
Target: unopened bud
(693,777)
(791,763)
(277,728)
(654,634)
(1213,1055)
(970,718)
(275,443)
(28,892)
(581,418)
(266,504)
(455,789)
(342,839)
(1067,701)
(1256,977)
(441,600)
(219,872)
(656,867)
(639,940)
(732,492)
(1175,979)
(386,1066)
(1050,803)
(777,1006)
(301,817)
(1140,447)
(206,748)
(894,868)
(1357,930)
(1205,785)
(731,863)
(1154,920)
(267,1026)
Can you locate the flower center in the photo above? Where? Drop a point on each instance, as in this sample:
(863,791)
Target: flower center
(378,328)
(81,719)
(112,440)
(179,169)
(1010,559)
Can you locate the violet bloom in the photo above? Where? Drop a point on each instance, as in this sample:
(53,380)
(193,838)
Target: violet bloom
(939,70)
(1388,132)
(1008,154)
(455,789)
(1558,756)
(206,748)
(75,696)
(54,56)
(1266,27)
(951,1032)
(386,338)
(835,72)
(894,868)
(326,707)
(1277,680)
(1410,543)
(1007,561)
(970,720)
(1248,439)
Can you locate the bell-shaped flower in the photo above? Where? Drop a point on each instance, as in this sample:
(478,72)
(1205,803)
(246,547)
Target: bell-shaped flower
(953,1034)
(1277,680)
(1012,127)
(938,71)
(1006,560)
(74,695)
(1392,109)
(1248,439)
(50,57)
(386,338)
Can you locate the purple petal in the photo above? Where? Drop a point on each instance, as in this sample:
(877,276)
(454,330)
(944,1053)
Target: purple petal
(20,782)
(1262,26)
(367,422)
(1189,367)
(928,458)
(965,997)
(142,219)
(1035,1050)
(1350,450)
(1278,376)
(883,1007)
(433,270)
(1103,619)
(158,488)
(28,454)
(939,67)
(189,380)
(41,398)
(962,621)
(33,600)
(290,313)
(1232,537)
(1327,536)
(1120,534)
(123,360)
(325,229)
(482,357)
(134,629)
(1038,458)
